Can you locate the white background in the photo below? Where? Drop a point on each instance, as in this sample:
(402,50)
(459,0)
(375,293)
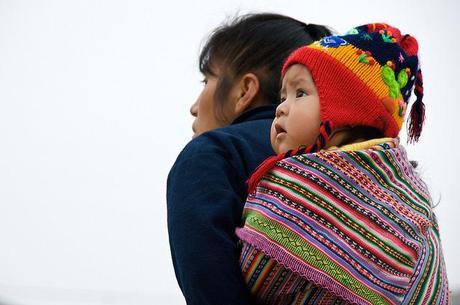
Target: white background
(94,101)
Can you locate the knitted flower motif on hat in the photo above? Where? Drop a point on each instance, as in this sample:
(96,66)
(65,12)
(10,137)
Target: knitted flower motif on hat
(387,37)
(332,41)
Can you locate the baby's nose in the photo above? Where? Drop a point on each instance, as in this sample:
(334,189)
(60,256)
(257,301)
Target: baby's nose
(281,109)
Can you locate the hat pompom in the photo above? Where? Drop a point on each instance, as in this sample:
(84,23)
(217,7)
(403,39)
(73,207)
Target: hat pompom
(410,45)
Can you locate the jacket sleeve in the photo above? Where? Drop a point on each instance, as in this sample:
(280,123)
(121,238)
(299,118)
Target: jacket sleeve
(203,211)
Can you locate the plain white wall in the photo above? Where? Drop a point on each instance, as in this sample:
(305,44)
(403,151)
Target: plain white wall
(94,99)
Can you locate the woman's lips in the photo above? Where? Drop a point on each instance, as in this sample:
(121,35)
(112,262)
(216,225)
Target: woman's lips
(194,130)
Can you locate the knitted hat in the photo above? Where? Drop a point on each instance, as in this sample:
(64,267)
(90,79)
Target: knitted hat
(363,78)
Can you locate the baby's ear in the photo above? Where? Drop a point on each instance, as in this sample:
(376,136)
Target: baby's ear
(247,92)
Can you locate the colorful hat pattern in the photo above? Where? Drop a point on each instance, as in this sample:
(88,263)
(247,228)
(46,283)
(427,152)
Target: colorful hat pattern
(365,78)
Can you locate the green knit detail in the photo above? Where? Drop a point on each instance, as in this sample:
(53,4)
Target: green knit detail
(309,254)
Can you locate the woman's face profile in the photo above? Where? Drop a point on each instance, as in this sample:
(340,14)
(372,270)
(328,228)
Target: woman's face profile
(204,109)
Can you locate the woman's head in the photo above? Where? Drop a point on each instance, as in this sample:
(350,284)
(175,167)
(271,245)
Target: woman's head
(241,63)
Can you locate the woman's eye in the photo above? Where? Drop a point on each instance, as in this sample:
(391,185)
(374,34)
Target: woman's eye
(300,93)
(282,99)
(204,81)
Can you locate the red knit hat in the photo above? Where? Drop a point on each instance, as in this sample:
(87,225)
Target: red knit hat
(363,78)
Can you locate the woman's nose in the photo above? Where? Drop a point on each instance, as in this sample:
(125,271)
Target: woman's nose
(194,109)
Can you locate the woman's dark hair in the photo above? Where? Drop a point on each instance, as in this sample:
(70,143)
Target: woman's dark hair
(255,43)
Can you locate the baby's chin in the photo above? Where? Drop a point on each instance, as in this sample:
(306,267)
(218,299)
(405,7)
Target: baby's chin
(281,148)
(282,144)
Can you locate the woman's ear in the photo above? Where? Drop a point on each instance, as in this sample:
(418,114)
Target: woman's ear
(247,93)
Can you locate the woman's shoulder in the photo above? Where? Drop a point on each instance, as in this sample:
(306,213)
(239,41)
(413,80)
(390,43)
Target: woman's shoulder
(239,148)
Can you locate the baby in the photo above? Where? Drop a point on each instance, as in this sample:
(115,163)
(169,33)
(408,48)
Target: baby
(340,216)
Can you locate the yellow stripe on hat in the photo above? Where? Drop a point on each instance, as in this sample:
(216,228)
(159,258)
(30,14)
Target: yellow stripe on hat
(370,75)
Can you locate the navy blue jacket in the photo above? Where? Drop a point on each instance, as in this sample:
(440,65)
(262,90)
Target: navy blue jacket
(206,194)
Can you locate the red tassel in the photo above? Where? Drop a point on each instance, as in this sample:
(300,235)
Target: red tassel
(417,112)
(262,169)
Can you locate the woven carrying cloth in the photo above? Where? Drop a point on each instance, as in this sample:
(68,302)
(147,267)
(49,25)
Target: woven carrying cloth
(343,227)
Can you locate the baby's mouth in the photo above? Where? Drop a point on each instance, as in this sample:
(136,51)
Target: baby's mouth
(279,129)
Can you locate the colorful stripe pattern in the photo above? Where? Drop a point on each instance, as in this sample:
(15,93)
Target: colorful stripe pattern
(340,227)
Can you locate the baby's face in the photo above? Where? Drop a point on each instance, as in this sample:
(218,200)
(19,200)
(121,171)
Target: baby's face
(298,116)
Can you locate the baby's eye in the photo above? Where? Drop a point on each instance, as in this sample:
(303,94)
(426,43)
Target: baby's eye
(300,93)
(282,99)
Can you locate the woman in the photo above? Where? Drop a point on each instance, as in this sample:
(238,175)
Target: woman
(241,64)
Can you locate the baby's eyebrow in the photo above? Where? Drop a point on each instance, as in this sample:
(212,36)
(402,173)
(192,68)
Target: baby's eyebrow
(297,81)
(293,83)
(282,90)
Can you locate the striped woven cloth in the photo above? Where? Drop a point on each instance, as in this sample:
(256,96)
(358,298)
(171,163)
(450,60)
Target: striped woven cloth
(343,227)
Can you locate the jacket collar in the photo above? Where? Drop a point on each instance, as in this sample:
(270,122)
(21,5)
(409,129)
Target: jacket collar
(263,112)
